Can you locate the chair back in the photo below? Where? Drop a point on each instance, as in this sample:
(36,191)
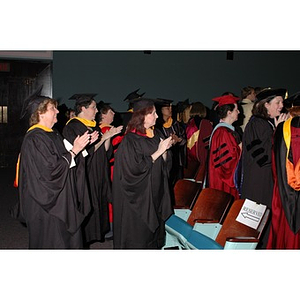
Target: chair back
(210,205)
(232,228)
(185,192)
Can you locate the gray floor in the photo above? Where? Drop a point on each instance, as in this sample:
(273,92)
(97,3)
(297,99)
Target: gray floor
(13,235)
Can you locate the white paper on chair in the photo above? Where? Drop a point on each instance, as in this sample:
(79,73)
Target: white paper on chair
(251,213)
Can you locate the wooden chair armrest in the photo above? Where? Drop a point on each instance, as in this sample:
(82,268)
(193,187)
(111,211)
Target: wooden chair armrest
(181,207)
(206,221)
(242,239)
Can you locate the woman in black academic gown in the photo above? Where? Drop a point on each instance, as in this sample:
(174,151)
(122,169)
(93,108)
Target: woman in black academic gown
(167,126)
(258,179)
(92,165)
(141,195)
(48,202)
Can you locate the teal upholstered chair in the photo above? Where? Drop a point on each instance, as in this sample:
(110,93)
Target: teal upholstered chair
(177,232)
(232,235)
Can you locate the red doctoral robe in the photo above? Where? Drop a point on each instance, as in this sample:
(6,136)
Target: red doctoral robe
(224,156)
(284,232)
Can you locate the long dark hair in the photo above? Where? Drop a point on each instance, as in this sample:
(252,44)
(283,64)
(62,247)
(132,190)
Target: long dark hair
(138,118)
(259,109)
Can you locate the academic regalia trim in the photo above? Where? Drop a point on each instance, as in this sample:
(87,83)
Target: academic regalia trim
(41,127)
(88,123)
(291,168)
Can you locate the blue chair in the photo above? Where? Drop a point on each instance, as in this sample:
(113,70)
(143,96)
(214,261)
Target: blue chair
(197,240)
(177,232)
(232,235)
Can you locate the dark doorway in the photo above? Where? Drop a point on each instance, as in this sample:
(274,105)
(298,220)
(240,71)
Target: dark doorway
(18,79)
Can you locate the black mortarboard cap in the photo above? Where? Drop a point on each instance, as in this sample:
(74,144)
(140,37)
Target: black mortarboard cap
(31,103)
(163,102)
(182,105)
(141,103)
(101,104)
(293,100)
(82,97)
(269,92)
(78,97)
(133,95)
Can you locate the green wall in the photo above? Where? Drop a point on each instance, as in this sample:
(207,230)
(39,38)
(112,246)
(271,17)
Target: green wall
(177,75)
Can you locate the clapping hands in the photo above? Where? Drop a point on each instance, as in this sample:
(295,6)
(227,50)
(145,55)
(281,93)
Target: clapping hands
(282,117)
(112,132)
(165,144)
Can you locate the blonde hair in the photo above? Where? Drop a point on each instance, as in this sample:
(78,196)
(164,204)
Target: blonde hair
(184,116)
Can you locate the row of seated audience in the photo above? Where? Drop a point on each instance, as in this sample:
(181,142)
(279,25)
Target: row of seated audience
(116,179)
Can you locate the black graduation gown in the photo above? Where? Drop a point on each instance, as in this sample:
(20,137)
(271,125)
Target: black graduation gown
(179,152)
(95,169)
(141,196)
(257,182)
(48,202)
(257,177)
